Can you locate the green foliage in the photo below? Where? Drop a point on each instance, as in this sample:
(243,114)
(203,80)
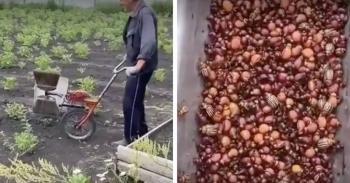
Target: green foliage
(9,83)
(164,38)
(68,34)
(25,52)
(7,60)
(160,74)
(98,35)
(16,111)
(109,8)
(152,148)
(8,45)
(51,4)
(45,40)
(85,34)
(87,84)
(25,142)
(43,63)
(26,39)
(59,51)
(79,178)
(163,7)
(41,172)
(81,50)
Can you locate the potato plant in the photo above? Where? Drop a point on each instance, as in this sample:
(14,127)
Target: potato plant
(26,39)
(45,40)
(7,60)
(160,74)
(25,142)
(87,84)
(81,50)
(43,63)
(153,148)
(59,51)
(16,111)
(8,45)
(25,52)
(9,83)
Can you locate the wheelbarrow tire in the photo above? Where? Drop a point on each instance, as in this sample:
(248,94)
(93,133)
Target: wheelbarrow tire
(73,117)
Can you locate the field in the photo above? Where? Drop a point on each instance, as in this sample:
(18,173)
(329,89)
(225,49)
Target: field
(78,44)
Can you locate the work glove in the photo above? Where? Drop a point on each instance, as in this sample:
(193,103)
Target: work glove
(131,70)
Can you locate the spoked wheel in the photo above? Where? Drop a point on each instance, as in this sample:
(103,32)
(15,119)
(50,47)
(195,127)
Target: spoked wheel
(72,118)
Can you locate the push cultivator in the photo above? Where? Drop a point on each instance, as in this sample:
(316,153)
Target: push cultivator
(51,97)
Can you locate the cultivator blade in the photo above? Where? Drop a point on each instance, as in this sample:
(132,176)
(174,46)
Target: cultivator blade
(49,105)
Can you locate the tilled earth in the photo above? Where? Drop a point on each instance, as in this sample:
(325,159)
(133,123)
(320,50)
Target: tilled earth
(88,156)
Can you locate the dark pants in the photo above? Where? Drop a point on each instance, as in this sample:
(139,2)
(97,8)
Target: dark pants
(133,107)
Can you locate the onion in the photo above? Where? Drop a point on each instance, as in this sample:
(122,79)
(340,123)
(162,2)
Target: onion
(312,128)
(215,157)
(245,134)
(227,5)
(293,115)
(310,152)
(296,36)
(333,100)
(297,169)
(227,125)
(259,138)
(271,26)
(232,153)
(284,4)
(297,50)
(225,141)
(234,109)
(322,122)
(239,24)
(317,38)
(236,43)
(300,125)
(213,91)
(264,128)
(256,58)
(287,52)
(308,52)
(300,18)
(275,135)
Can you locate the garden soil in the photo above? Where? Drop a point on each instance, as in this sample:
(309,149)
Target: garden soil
(89,155)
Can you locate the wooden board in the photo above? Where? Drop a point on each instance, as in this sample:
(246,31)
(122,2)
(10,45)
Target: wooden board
(144,175)
(151,163)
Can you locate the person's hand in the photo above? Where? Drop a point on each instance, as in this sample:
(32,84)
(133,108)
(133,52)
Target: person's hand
(131,70)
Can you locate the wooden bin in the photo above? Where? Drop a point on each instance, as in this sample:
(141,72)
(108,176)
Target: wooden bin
(150,169)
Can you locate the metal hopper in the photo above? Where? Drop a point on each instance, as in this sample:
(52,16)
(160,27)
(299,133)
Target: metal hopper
(192,33)
(45,83)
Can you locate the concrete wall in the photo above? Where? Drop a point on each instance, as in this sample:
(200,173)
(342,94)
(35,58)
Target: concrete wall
(75,3)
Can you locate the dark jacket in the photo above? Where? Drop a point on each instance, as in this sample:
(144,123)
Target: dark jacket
(140,38)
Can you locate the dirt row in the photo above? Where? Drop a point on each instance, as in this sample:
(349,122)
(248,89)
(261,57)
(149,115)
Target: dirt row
(54,145)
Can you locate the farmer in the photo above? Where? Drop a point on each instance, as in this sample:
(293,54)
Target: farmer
(140,38)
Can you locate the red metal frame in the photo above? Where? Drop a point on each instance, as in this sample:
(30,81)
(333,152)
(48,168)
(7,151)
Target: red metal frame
(82,96)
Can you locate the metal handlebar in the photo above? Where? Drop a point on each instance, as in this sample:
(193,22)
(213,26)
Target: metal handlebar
(116,69)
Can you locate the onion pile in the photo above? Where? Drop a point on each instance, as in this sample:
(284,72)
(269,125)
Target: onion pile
(272,76)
